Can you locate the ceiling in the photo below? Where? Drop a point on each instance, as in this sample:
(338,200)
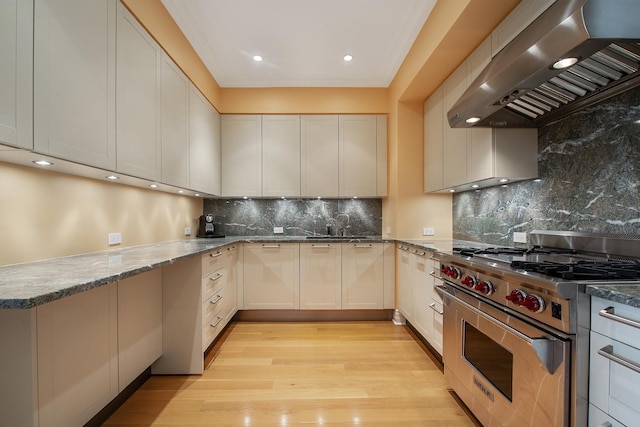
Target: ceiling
(302,42)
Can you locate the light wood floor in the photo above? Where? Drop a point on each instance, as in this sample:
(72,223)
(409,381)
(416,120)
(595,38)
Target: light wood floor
(290,374)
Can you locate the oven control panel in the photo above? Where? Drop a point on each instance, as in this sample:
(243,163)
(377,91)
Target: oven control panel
(528,299)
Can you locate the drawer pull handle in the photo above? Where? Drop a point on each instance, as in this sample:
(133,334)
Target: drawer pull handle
(232,248)
(605,424)
(216,255)
(433,307)
(217,322)
(416,252)
(356,245)
(216,277)
(218,298)
(271,246)
(320,246)
(608,353)
(609,313)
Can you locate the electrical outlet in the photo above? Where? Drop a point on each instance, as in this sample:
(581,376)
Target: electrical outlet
(388,230)
(519,237)
(428,231)
(115,238)
(278,230)
(187,231)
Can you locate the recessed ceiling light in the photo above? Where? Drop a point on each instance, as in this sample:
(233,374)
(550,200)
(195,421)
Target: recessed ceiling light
(504,180)
(112,177)
(257,58)
(452,191)
(348,57)
(43,162)
(475,186)
(564,63)
(472,120)
(181,191)
(197,194)
(153,185)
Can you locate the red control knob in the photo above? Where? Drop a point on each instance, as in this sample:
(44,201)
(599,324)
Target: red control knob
(534,303)
(485,287)
(517,296)
(469,281)
(454,272)
(444,269)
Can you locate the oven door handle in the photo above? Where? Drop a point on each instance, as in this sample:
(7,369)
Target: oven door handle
(548,350)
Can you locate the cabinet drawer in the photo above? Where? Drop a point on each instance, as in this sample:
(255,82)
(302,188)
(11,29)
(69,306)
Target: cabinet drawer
(616,320)
(212,261)
(614,378)
(597,418)
(211,330)
(212,283)
(213,306)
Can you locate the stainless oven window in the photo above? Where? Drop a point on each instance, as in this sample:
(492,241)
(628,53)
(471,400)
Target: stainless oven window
(489,358)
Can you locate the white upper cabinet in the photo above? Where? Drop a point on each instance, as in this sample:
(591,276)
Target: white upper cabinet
(433,138)
(204,144)
(16,73)
(358,161)
(74,80)
(175,124)
(319,156)
(454,140)
(241,155)
(519,18)
(280,156)
(138,77)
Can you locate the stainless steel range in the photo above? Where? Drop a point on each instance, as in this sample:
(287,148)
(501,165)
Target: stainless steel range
(516,324)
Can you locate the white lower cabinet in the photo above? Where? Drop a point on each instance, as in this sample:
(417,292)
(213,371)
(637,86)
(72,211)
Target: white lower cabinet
(271,276)
(362,276)
(320,276)
(614,364)
(404,277)
(417,300)
(77,356)
(139,324)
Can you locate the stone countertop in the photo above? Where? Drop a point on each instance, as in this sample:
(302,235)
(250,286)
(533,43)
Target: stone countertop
(30,284)
(628,294)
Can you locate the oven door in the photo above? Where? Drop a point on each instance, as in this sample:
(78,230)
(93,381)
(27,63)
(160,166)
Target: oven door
(508,372)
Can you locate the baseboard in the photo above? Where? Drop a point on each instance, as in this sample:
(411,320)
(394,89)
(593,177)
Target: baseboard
(312,315)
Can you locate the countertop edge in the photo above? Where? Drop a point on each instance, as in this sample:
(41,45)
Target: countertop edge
(621,293)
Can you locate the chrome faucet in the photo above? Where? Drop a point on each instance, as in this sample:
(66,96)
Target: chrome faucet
(342,231)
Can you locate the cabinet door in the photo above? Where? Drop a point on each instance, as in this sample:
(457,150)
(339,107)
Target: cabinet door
(77,356)
(358,162)
(271,276)
(319,156)
(204,144)
(281,156)
(434,122)
(175,124)
(16,73)
(422,290)
(231,291)
(137,99)
(405,285)
(320,276)
(74,80)
(362,276)
(381,155)
(455,140)
(241,155)
(139,324)
(480,159)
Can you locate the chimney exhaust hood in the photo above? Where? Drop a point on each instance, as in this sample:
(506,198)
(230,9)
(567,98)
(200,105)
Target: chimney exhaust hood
(524,85)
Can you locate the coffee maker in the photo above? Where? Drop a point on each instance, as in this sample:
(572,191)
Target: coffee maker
(206,228)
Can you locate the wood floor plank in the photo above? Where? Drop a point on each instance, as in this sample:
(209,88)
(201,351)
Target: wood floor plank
(308,374)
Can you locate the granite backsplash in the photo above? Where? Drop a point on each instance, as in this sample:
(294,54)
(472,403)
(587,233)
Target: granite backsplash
(298,217)
(589,178)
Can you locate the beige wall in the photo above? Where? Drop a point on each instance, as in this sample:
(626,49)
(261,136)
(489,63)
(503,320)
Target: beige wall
(47,214)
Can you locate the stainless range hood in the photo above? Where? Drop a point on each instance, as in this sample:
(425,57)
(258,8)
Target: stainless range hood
(521,88)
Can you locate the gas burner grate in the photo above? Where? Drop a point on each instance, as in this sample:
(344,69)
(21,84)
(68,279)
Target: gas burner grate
(583,270)
(498,250)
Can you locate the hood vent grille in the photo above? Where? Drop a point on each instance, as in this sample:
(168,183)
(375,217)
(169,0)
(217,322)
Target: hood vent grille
(611,64)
